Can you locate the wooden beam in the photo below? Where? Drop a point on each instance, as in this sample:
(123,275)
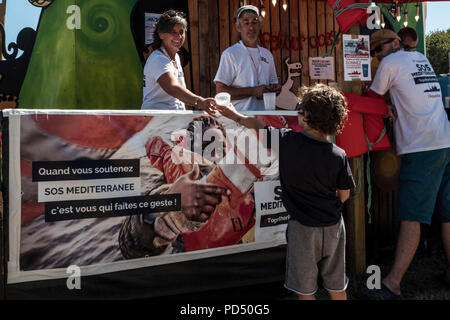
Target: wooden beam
(330,28)
(234,6)
(312,33)
(187,69)
(224,24)
(294,34)
(356,207)
(214,46)
(194,41)
(266,20)
(321,26)
(284,29)
(339,58)
(203,27)
(303,43)
(276,30)
(2,216)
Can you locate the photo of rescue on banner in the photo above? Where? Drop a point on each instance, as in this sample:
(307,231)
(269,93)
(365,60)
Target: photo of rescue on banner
(101,189)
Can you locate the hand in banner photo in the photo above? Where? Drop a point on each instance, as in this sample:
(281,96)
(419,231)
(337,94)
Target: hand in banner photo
(198,202)
(182,170)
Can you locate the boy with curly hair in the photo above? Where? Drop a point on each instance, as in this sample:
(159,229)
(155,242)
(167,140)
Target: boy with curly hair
(316,180)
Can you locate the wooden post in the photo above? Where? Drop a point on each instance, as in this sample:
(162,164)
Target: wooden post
(304,51)
(194,44)
(2,19)
(355,208)
(2,224)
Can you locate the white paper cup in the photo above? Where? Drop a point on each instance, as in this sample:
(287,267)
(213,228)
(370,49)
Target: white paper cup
(223,99)
(269,100)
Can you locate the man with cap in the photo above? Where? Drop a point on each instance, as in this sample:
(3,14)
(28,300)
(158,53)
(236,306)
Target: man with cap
(247,70)
(382,43)
(422,137)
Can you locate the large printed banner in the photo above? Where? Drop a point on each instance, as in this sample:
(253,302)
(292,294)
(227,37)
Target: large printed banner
(111,191)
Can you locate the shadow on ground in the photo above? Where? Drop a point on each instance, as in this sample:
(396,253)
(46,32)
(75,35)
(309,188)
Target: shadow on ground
(421,282)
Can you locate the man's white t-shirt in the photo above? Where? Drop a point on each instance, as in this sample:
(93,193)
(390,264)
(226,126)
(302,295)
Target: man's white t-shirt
(236,69)
(422,123)
(155,97)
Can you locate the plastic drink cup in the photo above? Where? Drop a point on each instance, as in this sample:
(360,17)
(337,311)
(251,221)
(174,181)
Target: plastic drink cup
(269,100)
(223,99)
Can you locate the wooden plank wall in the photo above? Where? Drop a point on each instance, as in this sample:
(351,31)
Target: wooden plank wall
(212,30)
(383,230)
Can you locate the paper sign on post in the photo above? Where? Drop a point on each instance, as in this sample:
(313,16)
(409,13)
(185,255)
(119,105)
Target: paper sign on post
(271,216)
(356,57)
(321,68)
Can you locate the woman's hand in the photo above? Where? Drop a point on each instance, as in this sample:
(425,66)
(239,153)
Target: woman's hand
(207,105)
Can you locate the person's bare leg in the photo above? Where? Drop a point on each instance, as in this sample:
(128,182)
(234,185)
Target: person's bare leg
(306,297)
(408,240)
(342,295)
(446,242)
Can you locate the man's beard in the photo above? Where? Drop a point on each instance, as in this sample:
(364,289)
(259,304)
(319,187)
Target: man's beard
(392,49)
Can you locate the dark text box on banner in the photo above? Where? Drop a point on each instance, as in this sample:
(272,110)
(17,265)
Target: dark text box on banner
(84,169)
(107,208)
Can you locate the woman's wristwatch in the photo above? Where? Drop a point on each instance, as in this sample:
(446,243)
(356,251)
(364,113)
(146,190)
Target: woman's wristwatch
(196,101)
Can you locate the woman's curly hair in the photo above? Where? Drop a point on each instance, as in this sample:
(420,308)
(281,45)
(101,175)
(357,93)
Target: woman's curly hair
(165,24)
(326,107)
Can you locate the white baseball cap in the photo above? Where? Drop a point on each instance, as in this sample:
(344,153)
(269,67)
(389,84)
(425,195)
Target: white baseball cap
(245,8)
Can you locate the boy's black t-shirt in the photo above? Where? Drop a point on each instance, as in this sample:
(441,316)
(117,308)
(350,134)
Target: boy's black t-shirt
(311,170)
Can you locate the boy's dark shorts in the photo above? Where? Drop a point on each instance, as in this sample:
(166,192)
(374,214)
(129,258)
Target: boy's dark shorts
(424,186)
(314,250)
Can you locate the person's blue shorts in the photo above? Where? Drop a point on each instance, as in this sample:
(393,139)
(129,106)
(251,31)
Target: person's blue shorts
(424,186)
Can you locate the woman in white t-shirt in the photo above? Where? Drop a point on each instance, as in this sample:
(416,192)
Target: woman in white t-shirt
(164,85)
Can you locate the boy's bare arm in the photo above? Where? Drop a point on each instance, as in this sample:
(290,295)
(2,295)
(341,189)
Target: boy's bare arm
(343,194)
(249,122)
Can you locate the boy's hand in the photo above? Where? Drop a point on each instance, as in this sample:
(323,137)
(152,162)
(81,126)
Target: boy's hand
(231,113)
(228,111)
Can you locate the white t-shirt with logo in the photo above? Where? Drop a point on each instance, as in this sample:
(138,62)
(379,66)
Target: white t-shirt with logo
(155,97)
(236,69)
(422,123)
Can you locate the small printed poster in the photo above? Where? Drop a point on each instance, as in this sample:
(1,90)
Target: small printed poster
(271,216)
(356,57)
(321,68)
(150,24)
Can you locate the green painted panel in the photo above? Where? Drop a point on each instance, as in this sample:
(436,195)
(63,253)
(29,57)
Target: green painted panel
(94,67)
(418,26)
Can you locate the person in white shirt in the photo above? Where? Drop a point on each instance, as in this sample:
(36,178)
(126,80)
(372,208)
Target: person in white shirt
(422,136)
(247,70)
(164,85)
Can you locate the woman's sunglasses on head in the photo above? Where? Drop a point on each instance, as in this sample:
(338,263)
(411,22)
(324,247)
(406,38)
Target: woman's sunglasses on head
(173,13)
